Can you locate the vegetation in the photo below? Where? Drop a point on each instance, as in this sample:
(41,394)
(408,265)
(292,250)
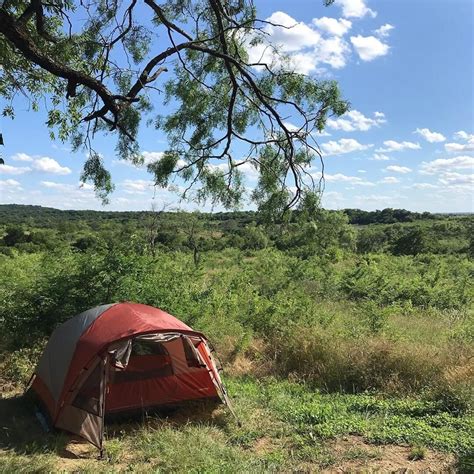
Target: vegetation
(328,331)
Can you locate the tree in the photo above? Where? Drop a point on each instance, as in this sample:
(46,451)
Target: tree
(15,235)
(104,66)
(412,242)
(152,226)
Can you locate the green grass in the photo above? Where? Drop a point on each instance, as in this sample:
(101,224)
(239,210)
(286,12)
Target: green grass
(285,426)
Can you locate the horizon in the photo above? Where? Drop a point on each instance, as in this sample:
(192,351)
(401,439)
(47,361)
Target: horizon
(178,210)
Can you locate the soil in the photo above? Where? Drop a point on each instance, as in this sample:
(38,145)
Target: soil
(357,456)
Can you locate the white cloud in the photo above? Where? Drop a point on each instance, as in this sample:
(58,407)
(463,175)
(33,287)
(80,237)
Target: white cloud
(384,30)
(151,157)
(424,186)
(332,26)
(15,170)
(9,184)
(389,180)
(380,157)
(463,181)
(333,51)
(54,185)
(342,178)
(48,165)
(21,157)
(392,145)
(137,186)
(355,8)
(447,164)
(462,135)
(342,146)
(355,120)
(369,47)
(305,48)
(377,199)
(38,163)
(299,46)
(295,34)
(460,147)
(428,135)
(398,169)
(78,189)
(361,171)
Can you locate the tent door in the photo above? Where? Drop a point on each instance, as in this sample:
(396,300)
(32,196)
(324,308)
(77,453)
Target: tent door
(83,414)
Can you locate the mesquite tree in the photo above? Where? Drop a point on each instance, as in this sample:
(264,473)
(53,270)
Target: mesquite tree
(182,66)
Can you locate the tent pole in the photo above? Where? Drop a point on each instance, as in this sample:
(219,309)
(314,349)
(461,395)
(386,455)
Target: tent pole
(30,381)
(104,394)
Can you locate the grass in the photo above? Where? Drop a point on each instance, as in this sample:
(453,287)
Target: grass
(417,453)
(285,426)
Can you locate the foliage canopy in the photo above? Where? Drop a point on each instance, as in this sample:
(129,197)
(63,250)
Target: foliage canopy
(182,66)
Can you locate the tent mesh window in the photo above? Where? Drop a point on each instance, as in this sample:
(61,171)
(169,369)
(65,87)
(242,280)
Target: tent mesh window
(140,348)
(192,357)
(88,397)
(148,360)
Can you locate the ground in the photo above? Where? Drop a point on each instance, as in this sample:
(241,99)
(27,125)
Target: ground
(285,428)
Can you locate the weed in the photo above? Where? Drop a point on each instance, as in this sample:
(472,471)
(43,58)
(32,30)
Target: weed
(417,453)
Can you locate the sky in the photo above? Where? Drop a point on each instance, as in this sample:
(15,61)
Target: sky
(406,67)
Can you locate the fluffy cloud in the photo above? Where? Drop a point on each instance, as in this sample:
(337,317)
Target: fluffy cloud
(384,30)
(9,184)
(342,146)
(398,169)
(355,120)
(342,178)
(447,164)
(369,47)
(332,25)
(311,47)
(462,135)
(380,157)
(355,8)
(458,182)
(54,185)
(459,147)
(81,187)
(21,157)
(428,135)
(294,35)
(424,186)
(15,170)
(137,186)
(43,164)
(389,180)
(375,199)
(48,165)
(392,145)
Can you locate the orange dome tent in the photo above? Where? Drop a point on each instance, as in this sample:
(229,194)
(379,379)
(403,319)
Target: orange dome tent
(121,357)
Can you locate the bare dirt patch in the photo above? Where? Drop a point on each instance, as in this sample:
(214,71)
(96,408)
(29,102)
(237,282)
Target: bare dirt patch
(354,455)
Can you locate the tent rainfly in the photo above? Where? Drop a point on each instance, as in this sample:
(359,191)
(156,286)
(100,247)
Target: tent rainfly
(119,358)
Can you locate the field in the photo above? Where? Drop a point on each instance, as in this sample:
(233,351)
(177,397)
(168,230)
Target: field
(346,339)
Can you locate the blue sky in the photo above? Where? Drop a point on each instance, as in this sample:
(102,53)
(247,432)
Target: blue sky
(405,66)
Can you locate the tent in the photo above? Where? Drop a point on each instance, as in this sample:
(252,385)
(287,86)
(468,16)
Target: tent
(118,358)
